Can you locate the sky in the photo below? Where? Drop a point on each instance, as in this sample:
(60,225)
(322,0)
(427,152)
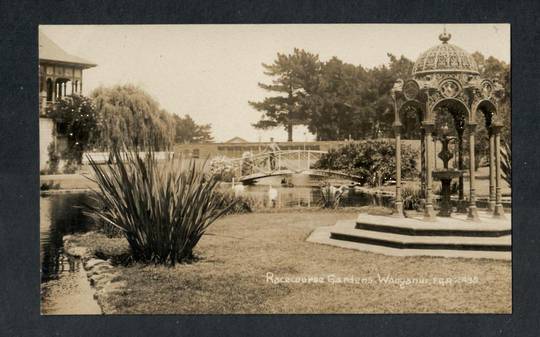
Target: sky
(211,71)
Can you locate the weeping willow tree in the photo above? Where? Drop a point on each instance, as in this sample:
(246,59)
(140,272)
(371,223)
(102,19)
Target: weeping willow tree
(130,116)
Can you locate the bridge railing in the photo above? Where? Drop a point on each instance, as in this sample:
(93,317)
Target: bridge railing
(267,162)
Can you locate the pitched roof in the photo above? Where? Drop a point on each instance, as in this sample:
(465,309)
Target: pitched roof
(50,51)
(236,140)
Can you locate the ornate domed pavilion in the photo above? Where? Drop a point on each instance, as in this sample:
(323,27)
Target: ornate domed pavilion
(446,79)
(445,57)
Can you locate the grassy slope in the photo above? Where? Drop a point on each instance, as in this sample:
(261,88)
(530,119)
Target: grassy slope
(241,249)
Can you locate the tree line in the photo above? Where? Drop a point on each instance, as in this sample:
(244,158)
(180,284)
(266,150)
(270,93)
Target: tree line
(123,114)
(338,100)
(334,99)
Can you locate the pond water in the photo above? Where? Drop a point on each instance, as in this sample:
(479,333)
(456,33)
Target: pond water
(64,287)
(59,215)
(304,191)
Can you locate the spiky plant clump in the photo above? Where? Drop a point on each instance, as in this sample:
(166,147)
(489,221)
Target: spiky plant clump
(412,198)
(242,204)
(162,210)
(330,196)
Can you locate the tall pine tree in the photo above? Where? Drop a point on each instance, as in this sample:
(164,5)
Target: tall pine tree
(294,77)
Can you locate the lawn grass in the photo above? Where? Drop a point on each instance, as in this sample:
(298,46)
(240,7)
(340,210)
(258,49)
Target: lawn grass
(101,245)
(239,251)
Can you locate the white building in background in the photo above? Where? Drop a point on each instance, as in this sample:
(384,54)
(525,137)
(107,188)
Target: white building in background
(60,75)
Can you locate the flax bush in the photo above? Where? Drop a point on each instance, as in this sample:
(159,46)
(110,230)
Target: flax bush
(162,209)
(330,196)
(412,198)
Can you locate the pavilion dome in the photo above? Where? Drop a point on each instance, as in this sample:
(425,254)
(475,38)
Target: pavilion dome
(445,58)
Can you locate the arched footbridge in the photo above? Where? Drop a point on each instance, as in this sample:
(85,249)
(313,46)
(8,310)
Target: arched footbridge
(281,163)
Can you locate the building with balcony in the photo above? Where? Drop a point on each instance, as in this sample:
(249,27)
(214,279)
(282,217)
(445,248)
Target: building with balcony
(60,75)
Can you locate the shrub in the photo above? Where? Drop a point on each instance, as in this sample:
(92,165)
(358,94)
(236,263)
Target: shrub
(78,121)
(412,198)
(330,196)
(54,160)
(49,185)
(373,161)
(222,169)
(70,167)
(162,211)
(241,204)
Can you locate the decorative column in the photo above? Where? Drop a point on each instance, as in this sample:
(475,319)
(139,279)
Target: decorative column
(462,208)
(398,207)
(55,96)
(434,138)
(423,163)
(498,212)
(429,213)
(491,202)
(472,214)
(42,94)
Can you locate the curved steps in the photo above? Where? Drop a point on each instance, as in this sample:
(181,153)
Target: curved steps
(455,226)
(503,243)
(447,237)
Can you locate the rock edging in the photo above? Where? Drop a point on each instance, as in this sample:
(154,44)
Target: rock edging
(102,275)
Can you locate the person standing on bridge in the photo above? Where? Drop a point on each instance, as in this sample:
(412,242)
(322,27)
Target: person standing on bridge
(272,149)
(247,163)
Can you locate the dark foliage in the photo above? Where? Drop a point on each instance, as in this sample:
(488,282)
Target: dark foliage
(77,120)
(373,161)
(330,196)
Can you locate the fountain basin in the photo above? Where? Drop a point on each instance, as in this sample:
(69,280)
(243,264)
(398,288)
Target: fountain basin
(447,174)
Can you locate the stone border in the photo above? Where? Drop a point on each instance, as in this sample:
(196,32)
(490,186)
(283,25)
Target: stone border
(102,275)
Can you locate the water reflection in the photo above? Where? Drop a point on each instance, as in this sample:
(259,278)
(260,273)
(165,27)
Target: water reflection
(59,215)
(304,191)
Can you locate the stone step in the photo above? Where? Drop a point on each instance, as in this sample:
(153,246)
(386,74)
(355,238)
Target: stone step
(321,235)
(455,236)
(502,243)
(457,225)
(434,231)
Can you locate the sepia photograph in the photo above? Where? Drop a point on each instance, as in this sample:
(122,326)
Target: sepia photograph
(275,169)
